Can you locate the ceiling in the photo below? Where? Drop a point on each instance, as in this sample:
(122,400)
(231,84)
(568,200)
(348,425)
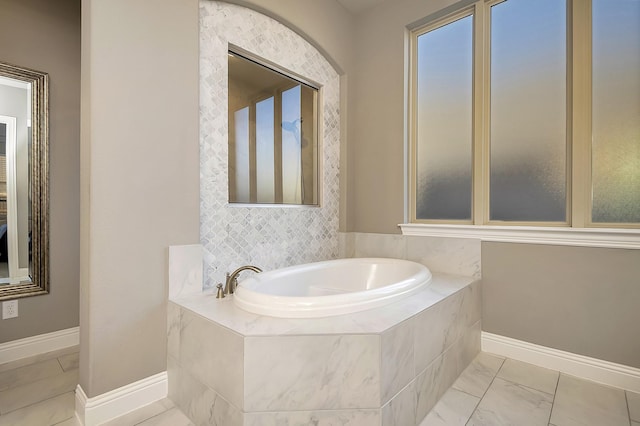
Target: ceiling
(358,6)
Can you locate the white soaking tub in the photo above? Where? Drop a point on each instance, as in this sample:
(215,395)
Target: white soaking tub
(334,287)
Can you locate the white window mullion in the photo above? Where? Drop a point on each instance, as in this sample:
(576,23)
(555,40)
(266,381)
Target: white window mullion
(482,115)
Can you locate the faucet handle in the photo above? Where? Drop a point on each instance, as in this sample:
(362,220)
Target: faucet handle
(220,292)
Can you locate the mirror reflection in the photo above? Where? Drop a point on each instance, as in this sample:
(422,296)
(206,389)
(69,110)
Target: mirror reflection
(23,182)
(273,127)
(15,126)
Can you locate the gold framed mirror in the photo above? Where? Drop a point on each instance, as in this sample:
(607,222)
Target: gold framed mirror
(24,182)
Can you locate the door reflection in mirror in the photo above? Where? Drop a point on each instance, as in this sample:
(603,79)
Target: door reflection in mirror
(273,135)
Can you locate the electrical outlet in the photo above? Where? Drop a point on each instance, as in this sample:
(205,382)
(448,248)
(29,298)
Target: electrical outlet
(9,309)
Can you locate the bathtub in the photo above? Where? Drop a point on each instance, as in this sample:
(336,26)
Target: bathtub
(333,287)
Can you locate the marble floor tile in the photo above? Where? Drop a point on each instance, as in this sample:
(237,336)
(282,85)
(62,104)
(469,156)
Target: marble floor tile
(29,373)
(529,375)
(635,423)
(141,414)
(633,400)
(172,417)
(477,377)
(5,366)
(69,361)
(581,402)
(507,403)
(454,408)
(22,396)
(44,413)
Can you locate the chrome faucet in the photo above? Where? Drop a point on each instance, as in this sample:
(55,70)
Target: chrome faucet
(232,278)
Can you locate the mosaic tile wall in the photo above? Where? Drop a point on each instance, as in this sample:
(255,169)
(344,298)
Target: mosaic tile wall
(269,237)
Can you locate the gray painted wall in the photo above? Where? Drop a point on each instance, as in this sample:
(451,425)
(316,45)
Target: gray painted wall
(45,36)
(577,299)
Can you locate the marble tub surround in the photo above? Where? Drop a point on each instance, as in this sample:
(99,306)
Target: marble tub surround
(378,320)
(230,367)
(458,256)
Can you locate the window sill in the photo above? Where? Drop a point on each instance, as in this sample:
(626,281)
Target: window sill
(585,237)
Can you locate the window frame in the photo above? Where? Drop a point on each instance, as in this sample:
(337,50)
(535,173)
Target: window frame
(578,146)
(448,19)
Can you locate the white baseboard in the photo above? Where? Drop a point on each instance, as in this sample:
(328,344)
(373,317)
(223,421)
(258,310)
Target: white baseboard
(115,403)
(36,345)
(605,372)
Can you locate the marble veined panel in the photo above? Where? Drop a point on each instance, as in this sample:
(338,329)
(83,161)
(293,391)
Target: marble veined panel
(185,270)
(271,237)
(174,314)
(312,372)
(449,255)
(380,245)
(454,408)
(328,418)
(455,256)
(434,381)
(214,354)
(437,328)
(396,363)
(199,402)
(401,410)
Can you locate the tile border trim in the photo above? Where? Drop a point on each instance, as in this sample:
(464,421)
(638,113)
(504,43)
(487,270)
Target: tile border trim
(115,403)
(36,345)
(597,370)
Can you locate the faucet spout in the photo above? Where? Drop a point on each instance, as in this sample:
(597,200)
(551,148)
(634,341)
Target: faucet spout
(232,279)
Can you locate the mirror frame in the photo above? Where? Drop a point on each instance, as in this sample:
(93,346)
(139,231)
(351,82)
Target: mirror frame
(38,182)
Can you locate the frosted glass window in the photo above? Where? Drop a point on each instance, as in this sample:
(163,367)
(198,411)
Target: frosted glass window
(528,111)
(444,122)
(291,149)
(265,167)
(616,111)
(241,128)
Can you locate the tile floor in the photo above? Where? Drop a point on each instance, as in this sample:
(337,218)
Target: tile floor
(38,391)
(498,391)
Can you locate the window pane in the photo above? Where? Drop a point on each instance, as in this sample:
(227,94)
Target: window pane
(241,127)
(444,122)
(265,168)
(291,152)
(616,111)
(528,111)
